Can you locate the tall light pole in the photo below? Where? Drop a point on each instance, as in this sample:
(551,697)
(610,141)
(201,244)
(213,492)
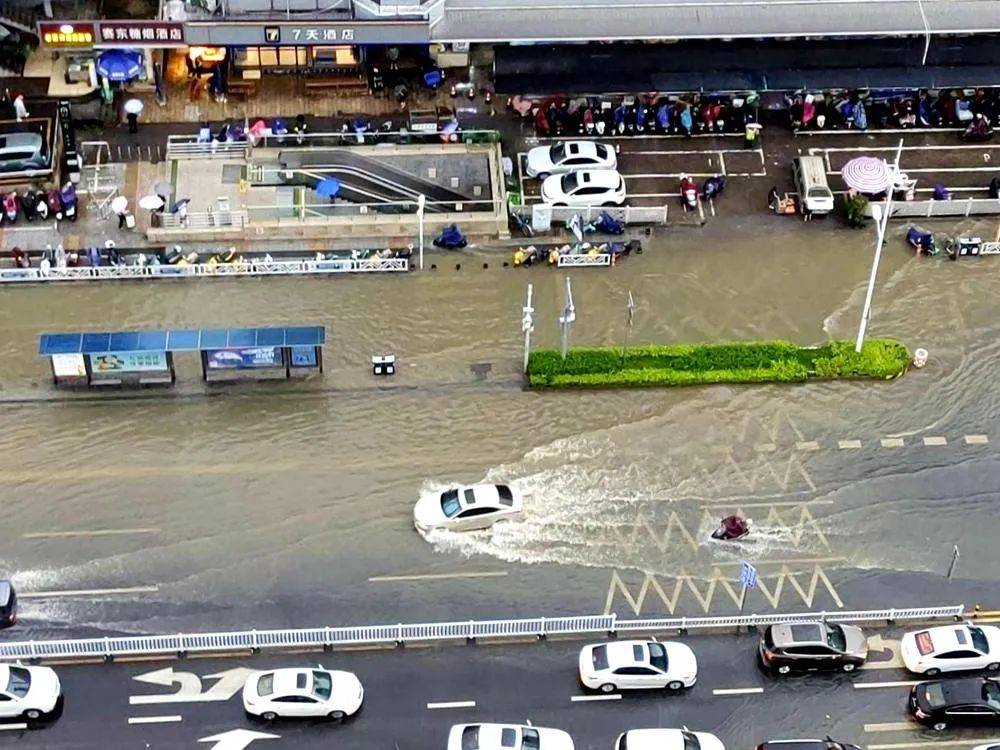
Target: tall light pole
(421,204)
(881,216)
(567,318)
(628,324)
(527,326)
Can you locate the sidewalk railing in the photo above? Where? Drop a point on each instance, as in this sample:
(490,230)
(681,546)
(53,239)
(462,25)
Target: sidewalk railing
(376,635)
(962,207)
(205,220)
(248,268)
(184,146)
(624,214)
(584,261)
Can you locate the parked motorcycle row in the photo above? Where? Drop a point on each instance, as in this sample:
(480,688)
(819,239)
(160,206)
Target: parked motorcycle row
(864,110)
(642,114)
(40,204)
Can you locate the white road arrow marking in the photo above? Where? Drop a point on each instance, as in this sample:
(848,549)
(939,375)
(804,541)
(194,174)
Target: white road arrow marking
(229,683)
(237,739)
(878,643)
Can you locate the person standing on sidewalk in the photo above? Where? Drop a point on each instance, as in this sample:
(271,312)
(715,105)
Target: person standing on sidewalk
(133,108)
(20,110)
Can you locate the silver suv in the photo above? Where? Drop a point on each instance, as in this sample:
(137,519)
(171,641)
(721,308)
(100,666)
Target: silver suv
(812,645)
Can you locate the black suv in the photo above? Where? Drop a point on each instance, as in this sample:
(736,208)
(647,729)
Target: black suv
(973,701)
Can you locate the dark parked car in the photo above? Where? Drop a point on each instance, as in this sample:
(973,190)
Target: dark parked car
(827,744)
(973,701)
(22,152)
(812,645)
(8,604)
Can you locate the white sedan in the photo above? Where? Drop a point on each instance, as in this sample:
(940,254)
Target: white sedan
(477,506)
(951,648)
(637,665)
(569,156)
(667,739)
(588,187)
(294,692)
(29,692)
(507,737)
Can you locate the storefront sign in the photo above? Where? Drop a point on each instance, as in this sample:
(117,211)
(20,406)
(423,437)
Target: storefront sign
(304,356)
(236,33)
(68,366)
(67,34)
(118,362)
(245,359)
(140,34)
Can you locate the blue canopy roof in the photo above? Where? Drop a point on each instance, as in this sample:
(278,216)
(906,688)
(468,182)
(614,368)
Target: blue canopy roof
(179,340)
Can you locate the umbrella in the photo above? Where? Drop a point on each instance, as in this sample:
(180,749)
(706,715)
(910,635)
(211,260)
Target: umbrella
(119,64)
(151,202)
(328,187)
(866,174)
(133,107)
(120,204)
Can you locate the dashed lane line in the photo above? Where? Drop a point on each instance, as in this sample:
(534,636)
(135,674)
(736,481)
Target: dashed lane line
(88,592)
(935,440)
(588,698)
(892,442)
(890,726)
(976,439)
(942,743)
(12,727)
(738,691)
(155,719)
(766,448)
(807,445)
(452,704)
(86,533)
(439,576)
(897,683)
(848,444)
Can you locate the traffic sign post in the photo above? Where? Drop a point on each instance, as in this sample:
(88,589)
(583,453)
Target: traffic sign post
(748,577)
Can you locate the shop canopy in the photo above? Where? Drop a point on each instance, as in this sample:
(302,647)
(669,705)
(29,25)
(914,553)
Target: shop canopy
(179,340)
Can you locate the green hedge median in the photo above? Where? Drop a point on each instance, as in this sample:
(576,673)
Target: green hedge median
(692,364)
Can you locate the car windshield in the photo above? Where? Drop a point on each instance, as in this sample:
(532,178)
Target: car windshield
(991,693)
(265,685)
(557,153)
(506,498)
(570,182)
(818,192)
(322,684)
(979,641)
(602,151)
(449,503)
(19,681)
(836,637)
(934,693)
(690,741)
(529,739)
(470,738)
(658,656)
(599,656)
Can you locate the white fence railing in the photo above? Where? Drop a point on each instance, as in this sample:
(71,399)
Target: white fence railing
(540,627)
(191,147)
(248,268)
(584,261)
(205,220)
(961,207)
(624,214)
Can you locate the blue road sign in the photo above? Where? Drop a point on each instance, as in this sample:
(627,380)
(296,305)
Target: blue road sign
(748,575)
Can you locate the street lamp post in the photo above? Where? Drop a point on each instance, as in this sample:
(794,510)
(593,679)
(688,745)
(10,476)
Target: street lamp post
(881,216)
(527,326)
(567,318)
(421,203)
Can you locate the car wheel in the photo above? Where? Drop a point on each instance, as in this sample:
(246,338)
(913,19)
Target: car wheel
(609,204)
(993,667)
(337,715)
(269,716)
(543,176)
(607,687)
(675,685)
(33,714)
(784,669)
(940,726)
(933,672)
(849,667)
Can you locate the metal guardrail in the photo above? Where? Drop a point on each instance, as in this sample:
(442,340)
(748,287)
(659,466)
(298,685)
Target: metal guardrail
(961,207)
(183,146)
(624,214)
(537,627)
(584,261)
(229,219)
(248,268)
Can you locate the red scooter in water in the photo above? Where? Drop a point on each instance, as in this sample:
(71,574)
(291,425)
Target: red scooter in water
(732,528)
(689,193)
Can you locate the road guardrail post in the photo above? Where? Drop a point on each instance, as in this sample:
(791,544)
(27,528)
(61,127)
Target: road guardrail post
(470,633)
(108,656)
(682,630)
(542,635)
(254,642)
(613,633)
(328,642)
(891,619)
(399,636)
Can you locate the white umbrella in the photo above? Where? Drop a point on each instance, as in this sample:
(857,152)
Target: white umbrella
(150,202)
(133,107)
(120,204)
(867,174)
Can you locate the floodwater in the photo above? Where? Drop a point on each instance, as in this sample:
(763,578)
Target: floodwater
(274,504)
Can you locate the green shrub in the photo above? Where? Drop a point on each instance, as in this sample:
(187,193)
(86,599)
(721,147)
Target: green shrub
(690,364)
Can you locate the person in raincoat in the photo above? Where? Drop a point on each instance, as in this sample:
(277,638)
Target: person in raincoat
(860,116)
(687,123)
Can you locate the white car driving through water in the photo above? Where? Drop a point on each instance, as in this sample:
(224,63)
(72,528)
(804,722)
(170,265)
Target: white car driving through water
(951,648)
(298,692)
(29,692)
(467,508)
(507,737)
(667,739)
(637,665)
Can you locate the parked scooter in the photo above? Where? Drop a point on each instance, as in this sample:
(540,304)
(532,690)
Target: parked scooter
(713,187)
(978,131)
(41,201)
(11,207)
(29,202)
(689,193)
(21,259)
(67,197)
(300,129)
(54,203)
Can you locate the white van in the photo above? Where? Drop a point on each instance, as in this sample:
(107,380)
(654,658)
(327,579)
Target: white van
(809,173)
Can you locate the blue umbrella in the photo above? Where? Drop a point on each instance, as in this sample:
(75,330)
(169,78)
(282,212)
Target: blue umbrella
(119,65)
(327,187)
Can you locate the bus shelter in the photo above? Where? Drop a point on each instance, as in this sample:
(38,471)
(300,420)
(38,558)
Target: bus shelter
(136,358)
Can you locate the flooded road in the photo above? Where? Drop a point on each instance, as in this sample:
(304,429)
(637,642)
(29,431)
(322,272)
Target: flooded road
(290,504)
